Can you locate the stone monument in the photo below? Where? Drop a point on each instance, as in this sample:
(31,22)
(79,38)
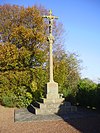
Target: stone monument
(53,102)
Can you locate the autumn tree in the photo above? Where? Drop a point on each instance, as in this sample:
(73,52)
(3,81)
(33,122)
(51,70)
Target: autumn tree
(24,56)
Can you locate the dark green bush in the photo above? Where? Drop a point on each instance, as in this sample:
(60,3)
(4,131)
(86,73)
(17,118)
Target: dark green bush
(87,94)
(98,97)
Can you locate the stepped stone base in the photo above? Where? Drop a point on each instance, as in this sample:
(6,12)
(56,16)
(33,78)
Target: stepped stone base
(53,103)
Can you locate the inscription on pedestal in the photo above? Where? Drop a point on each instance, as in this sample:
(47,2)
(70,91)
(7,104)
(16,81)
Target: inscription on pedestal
(52,87)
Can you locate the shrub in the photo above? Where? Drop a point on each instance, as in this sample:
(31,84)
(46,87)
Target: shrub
(86,94)
(9,99)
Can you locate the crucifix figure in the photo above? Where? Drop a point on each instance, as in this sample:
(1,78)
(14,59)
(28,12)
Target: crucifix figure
(51,18)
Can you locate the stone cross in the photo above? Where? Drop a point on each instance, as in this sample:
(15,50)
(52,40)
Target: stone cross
(51,18)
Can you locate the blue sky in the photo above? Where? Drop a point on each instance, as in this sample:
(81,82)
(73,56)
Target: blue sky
(81,20)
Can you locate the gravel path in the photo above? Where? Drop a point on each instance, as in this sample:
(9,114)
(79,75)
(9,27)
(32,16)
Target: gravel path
(82,125)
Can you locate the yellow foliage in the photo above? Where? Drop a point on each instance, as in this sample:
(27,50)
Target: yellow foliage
(34,86)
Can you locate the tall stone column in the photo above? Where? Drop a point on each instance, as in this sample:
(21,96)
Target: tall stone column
(51,61)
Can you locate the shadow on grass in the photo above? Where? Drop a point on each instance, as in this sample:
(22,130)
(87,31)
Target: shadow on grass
(84,120)
(86,125)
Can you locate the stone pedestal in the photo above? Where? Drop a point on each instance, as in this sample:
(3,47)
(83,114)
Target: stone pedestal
(53,103)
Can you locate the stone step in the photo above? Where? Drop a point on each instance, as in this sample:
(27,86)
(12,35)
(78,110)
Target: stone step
(46,111)
(51,108)
(57,100)
(51,105)
(39,111)
(47,105)
(57,110)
